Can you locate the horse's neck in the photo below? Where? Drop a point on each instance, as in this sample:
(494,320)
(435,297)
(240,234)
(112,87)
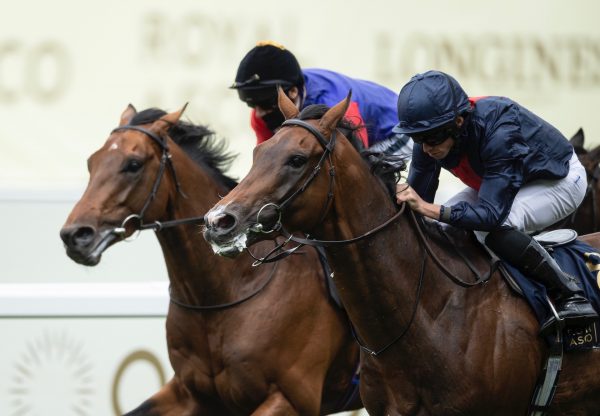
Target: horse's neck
(195,272)
(378,276)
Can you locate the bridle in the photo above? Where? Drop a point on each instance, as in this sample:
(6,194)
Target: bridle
(165,163)
(258,227)
(328,147)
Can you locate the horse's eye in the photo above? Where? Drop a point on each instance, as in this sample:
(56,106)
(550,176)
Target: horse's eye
(132,166)
(296,161)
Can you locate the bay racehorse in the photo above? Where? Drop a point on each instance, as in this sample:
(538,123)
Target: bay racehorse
(241,339)
(429,345)
(586,219)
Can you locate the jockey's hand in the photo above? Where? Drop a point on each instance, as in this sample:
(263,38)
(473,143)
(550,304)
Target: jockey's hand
(405,193)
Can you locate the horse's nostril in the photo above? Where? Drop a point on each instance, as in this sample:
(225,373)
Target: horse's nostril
(79,236)
(84,234)
(225,222)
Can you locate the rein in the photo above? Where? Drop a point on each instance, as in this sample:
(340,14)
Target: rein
(328,150)
(223,305)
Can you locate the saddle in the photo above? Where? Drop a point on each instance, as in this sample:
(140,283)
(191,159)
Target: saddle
(574,257)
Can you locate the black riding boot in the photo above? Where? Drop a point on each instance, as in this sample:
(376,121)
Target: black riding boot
(525,253)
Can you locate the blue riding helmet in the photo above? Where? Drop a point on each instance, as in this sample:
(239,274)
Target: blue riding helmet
(429,100)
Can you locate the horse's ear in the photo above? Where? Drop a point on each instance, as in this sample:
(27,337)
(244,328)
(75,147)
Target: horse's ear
(333,116)
(127,115)
(594,155)
(286,106)
(163,124)
(578,139)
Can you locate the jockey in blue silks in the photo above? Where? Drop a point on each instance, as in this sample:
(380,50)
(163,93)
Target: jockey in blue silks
(267,65)
(522,176)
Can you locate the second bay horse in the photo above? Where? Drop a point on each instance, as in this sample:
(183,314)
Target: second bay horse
(241,339)
(429,346)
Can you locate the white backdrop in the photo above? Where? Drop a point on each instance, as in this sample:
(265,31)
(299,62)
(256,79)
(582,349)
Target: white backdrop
(68,69)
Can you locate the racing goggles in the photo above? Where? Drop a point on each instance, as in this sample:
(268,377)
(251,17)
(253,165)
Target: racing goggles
(265,98)
(434,137)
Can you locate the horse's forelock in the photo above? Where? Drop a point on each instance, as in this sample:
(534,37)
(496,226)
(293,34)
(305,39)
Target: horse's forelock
(147,116)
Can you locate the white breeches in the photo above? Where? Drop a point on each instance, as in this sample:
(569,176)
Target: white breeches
(540,203)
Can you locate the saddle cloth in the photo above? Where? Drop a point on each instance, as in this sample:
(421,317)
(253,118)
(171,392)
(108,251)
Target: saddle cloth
(576,258)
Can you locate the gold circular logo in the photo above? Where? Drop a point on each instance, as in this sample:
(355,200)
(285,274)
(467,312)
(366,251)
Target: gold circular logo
(139,355)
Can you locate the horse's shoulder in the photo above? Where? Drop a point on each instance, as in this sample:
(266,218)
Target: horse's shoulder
(452,238)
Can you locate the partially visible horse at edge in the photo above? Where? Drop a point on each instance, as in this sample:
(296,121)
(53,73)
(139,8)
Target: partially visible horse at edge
(586,219)
(241,340)
(429,346)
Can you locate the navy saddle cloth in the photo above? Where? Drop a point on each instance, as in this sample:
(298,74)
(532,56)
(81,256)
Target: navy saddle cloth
(576,258)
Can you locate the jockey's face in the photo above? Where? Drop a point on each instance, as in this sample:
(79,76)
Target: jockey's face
(439,144)
(440,150)
(268,106)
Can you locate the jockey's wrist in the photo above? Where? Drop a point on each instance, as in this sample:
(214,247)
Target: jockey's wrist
(444,213)
(430,210)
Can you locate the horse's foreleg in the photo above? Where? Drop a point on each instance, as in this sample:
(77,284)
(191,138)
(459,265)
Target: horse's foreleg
(275,405)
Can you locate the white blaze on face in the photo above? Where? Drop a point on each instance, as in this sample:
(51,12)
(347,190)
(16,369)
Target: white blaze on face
(113,146)
(214,214)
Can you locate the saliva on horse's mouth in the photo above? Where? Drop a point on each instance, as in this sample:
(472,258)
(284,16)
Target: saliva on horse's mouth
(231,248)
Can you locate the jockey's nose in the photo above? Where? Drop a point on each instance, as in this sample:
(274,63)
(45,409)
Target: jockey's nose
(261,112)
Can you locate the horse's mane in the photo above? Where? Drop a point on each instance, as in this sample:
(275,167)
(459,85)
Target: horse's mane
(198,142)
(385,167)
